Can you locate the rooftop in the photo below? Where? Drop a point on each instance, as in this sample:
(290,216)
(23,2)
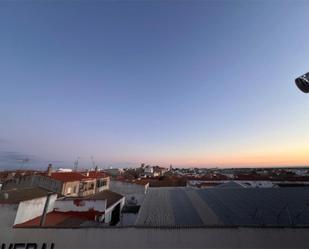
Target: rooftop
(96,174)
(129,180)
(56,219)
(225,207)
(17,195)
(69,176)
(108,195)
(230,184)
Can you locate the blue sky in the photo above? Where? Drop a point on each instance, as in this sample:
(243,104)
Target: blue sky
(192,83)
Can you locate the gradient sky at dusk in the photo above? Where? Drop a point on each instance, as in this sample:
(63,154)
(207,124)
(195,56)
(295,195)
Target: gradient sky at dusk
(192,83)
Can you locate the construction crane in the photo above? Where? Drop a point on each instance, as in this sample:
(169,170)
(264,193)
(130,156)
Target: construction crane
(302,83)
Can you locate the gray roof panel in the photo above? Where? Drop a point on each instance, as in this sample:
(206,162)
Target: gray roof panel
(225,206)
(184,212)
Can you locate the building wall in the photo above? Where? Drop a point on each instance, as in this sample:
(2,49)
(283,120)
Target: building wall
(70,188)
(159,238)
(129,190)
(34,181)
(99,188)
(67,188)
(113,172)
(7,215)
(85,188)
(31,209)
(48,183)
(21,182)
(148,169)
(108,212)
(80,205)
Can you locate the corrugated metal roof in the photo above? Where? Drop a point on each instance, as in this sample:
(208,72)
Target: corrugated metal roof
(225,206)
(272,206)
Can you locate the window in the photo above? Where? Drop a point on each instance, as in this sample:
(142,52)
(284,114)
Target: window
(101,183)
(92,186)
(69,189)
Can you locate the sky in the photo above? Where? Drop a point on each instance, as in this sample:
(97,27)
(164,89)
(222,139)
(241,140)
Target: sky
(187,83)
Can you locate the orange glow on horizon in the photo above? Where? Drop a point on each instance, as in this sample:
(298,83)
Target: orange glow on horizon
(283,158)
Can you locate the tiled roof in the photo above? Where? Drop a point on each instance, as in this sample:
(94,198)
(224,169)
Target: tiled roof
(95,174)
(135,181)
(68,176)
(57,219)
(75,176)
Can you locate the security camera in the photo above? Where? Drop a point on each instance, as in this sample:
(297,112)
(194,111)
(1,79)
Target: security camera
(303,83)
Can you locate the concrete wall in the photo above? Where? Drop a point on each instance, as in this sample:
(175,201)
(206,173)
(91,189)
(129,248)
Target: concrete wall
(150,237)
(7,215)
(80,205)
(129,189)
(34,181)
(21,182)
(108,212)
(159,238)
(47,183)
(31,209)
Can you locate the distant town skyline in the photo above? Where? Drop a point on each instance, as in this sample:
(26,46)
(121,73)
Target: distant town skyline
(187,83)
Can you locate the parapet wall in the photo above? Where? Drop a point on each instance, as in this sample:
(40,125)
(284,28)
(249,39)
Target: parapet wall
(159,238)
(80,205)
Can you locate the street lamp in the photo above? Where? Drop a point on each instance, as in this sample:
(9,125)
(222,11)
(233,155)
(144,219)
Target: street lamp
(303,83)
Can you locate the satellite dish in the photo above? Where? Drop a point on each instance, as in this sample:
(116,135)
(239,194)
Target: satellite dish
(302,83)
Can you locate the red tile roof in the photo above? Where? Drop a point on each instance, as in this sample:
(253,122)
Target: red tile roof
(130,180)
(68,176)
(96,175)
(75,176)
(60,219)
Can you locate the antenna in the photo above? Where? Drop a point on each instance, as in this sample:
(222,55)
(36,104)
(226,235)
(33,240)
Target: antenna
(76,164)
(93,162)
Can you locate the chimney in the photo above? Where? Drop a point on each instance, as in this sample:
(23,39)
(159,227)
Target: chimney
(49,169)
(96,169)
